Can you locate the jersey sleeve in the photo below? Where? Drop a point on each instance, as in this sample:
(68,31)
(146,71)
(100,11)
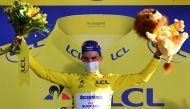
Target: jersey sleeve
(59,78)
(125,81)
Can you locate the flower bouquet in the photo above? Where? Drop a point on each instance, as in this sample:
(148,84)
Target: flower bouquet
(25,19)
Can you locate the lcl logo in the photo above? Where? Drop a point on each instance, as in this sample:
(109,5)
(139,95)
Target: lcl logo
(23,66)
(119,53)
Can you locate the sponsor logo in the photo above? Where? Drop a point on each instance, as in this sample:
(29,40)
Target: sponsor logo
(102,82)
(23,66)
(119,53)
(59,91)
(73,52)
(89,97)
(91,100)
(82,84)
(90,106)
(126,101)
(60,95)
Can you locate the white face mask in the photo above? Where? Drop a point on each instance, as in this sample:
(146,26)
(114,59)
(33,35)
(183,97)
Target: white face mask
(91,66)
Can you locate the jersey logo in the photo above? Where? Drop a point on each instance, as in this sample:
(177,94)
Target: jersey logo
(82,84)
(101,82)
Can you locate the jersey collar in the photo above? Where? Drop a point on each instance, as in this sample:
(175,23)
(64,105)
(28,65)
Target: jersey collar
(70,48)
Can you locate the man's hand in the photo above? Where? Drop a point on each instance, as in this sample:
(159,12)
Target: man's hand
(158,53)
(179,25)
(15,46)
(17,39)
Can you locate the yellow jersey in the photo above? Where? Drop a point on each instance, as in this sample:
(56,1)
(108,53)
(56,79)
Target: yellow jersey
(93,91)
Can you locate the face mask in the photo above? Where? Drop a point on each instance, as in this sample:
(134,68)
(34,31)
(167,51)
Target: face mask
(91,66)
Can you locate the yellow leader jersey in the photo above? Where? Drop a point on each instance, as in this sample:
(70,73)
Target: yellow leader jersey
(93,91)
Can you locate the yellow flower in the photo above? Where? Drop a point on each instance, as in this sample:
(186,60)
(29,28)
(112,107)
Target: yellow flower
(32,11)
(9,9)
(43,20)
(37,17)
